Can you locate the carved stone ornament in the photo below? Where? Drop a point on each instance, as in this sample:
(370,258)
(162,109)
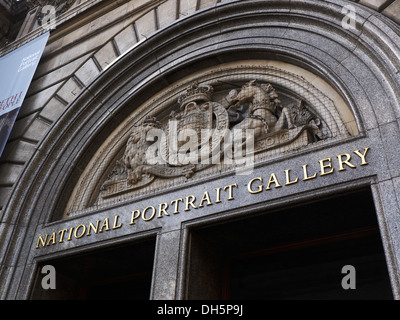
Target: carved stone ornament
(202,131)
(225,120)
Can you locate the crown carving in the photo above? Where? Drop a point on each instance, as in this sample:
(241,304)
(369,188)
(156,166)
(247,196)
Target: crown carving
(195,93)
(151,121)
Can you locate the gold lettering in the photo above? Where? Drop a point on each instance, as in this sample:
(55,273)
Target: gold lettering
(135,215)
(62,235)
(347,161)
(92,227)
(116,226)
(52,239)
(230,190)
(162,208)
(206,197)
(76,231)
(70,233)
(288,182)
(323,166)
(326,166)
(176,204)
(259,188)
(42,241)
(362,156)
(306,177)
(273,179)
(106,224)
(218,200)
(193,199)
(152,214)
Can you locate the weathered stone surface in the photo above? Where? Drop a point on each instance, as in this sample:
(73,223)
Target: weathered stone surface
(87,72)
(393,11)
(146,25)
(126,39)
(70,90)
(376,4)
(19,151)
(35,102)
(21,125)
(167,12)
(106,55)
(167,262)
(4,195)
(52,110)
(9,173)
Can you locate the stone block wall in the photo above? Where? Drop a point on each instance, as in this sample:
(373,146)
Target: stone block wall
(86,41)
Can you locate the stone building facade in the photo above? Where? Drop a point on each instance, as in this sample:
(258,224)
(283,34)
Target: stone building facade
(125,169)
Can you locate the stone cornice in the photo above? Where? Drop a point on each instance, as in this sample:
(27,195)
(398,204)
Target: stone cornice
(64,17)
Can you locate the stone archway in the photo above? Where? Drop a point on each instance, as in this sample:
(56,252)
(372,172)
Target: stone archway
(298,32)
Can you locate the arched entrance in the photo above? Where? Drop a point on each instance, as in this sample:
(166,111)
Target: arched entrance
(299,34)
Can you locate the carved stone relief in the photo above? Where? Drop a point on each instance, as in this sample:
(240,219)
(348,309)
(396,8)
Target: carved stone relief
(193,129)
(261,114)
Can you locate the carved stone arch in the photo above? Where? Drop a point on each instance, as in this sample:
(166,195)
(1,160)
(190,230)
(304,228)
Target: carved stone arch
(336,123)
(297,32)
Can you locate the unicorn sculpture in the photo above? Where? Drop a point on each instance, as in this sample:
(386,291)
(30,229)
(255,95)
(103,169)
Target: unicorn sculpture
(266,113)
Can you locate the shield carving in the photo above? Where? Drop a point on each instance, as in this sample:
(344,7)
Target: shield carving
(194,134)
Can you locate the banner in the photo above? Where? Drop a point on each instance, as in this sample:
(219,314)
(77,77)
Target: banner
(16,72)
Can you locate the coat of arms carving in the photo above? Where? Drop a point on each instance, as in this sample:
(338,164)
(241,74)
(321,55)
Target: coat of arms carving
(251,119)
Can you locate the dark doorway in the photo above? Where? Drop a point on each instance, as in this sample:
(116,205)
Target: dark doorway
(122,272)
(294,253)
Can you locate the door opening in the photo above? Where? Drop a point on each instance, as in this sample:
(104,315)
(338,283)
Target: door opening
(122,272)
(294,253)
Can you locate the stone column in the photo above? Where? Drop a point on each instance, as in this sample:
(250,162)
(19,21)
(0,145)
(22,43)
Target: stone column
(165,275)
